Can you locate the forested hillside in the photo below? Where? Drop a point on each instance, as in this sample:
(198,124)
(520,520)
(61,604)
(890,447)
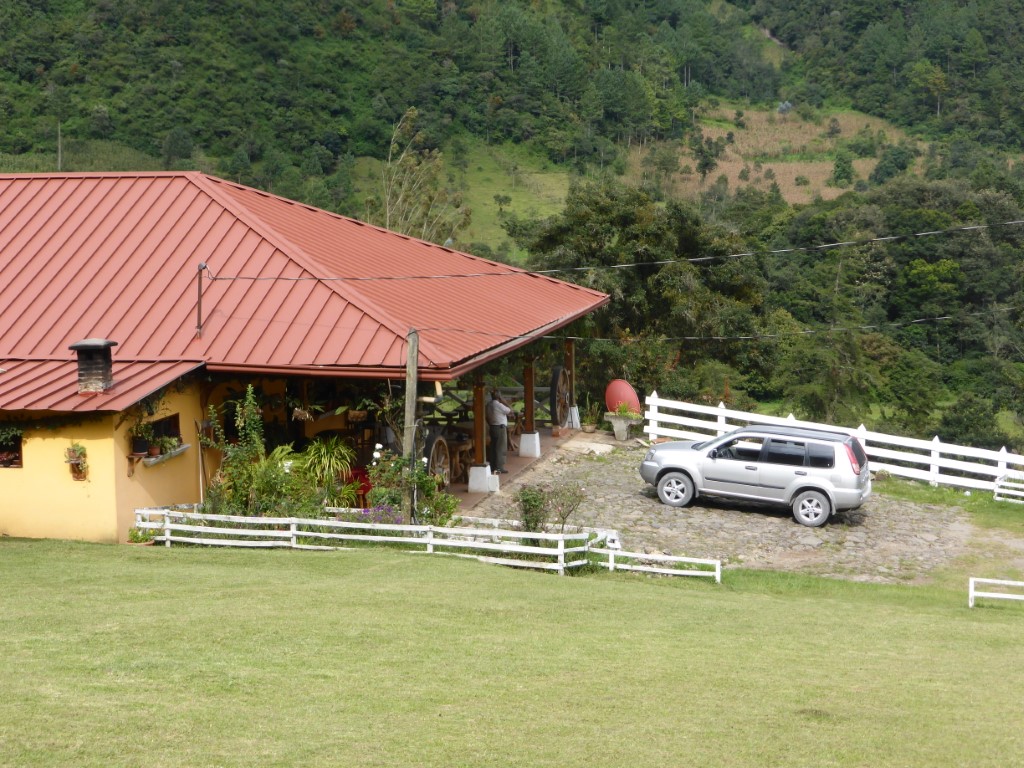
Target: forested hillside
(938,65)
(303,83)
(711,143)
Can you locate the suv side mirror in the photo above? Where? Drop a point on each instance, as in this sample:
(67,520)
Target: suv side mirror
(713,453)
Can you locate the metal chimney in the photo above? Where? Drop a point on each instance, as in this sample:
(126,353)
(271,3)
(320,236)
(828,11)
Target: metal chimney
(95,365)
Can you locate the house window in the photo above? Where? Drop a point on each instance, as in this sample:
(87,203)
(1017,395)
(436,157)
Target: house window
(168,427)
(10,452)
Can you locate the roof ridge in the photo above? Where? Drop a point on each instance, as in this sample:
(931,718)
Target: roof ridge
(210,185)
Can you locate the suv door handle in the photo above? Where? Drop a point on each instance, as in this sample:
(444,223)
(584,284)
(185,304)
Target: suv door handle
(800,472)
(752,469)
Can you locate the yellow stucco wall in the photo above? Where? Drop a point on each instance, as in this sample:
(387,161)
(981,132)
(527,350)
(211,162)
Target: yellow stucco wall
(171,481)
(41,499)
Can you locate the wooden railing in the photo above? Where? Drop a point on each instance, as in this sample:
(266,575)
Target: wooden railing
(455,405)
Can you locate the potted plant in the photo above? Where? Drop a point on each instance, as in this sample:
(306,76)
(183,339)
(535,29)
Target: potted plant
(358,413)
(167,443)
(141,435)
(622,418)
(590,416)
(75,457)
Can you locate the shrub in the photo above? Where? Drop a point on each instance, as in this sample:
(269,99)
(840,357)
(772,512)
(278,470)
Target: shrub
(253,483)
(540,507)
(390,475)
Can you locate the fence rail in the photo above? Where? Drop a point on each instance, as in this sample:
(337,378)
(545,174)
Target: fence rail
(503,546)
(973,593)
(932,460)
(711,568)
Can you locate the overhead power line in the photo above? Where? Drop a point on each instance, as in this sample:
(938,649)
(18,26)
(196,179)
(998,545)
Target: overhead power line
(662,262)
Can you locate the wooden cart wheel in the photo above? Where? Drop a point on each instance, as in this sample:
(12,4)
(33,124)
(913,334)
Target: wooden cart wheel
(561,396)
(439,461)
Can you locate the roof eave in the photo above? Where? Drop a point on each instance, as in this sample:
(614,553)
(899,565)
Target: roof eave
(454,371)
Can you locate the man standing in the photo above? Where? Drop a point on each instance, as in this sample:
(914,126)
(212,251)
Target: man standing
(497,424)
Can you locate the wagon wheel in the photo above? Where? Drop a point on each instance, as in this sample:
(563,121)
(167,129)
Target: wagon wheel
(561,396)
(439,461)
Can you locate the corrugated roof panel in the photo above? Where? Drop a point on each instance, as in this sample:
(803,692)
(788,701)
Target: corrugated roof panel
(27,385)
(116,256)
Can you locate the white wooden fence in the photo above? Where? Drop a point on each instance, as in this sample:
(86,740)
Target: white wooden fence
(528,549)
(973,593)
(640,561)
(932,461)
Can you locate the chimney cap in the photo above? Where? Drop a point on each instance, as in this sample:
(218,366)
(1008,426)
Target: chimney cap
(92,344)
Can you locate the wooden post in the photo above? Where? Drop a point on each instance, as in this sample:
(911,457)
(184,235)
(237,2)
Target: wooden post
(528,396)
(479,422)
(570,366)
(409,436)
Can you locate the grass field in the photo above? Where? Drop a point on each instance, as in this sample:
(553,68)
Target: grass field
(536,189)
(128,656)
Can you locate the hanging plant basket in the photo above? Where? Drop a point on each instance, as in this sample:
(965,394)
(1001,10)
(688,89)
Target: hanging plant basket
(75,459)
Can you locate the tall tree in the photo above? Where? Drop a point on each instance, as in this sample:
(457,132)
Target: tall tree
(413,198)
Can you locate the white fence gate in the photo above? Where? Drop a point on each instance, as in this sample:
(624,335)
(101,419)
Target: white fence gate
(932,460)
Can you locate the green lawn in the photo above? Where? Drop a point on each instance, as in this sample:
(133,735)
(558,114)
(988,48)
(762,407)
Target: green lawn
(128,656)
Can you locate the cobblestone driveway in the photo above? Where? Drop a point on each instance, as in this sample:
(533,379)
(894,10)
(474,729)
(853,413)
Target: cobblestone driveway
(886,540)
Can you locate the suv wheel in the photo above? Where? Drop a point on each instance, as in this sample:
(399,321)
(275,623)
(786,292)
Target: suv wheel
(675,489)
(811,508)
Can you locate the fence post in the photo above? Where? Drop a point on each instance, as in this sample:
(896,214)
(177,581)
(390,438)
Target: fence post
(652,415)
(167,528)
(611,561)
(1001,464)
(430,540)
(561,555)
(933,470)
(292,528)
(721,427)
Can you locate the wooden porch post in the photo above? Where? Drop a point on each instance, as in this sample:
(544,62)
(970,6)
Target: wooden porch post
(479,422)
(570,366)
(569,358)
(529,441)
(528,396)
(480,478)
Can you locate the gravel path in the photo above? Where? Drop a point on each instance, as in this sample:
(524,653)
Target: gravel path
(886,540)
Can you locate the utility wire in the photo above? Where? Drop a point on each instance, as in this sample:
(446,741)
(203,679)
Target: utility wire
(663,262)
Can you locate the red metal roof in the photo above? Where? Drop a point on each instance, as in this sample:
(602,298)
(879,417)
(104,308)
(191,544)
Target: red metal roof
(32,385)
(288,288)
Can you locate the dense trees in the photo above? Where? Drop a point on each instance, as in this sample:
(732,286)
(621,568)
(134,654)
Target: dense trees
(237,82)
(905,324)
(943,65)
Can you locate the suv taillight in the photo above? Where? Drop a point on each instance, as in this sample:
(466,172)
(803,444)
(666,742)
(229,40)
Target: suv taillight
(853,459)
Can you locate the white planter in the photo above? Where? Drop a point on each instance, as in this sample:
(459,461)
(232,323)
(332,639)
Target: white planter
(621,424)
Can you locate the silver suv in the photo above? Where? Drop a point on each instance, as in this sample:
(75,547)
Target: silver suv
(811,471)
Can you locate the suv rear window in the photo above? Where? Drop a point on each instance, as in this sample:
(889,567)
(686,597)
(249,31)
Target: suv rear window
(858,451)
(784,452)
(821,456)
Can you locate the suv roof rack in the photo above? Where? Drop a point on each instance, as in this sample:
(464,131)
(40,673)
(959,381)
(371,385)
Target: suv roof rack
(819,434)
